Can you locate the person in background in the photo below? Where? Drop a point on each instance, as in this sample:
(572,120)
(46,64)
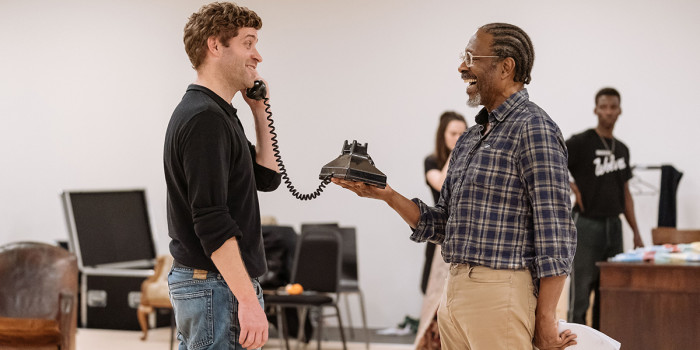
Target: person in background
(503,218)
(600,168)
(452,125)
(212,173)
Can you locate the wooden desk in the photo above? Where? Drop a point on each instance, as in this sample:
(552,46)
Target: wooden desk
(651,306)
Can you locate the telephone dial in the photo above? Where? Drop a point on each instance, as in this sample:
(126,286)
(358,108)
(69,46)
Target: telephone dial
(353,163)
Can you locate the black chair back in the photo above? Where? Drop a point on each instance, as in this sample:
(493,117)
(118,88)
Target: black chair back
(307,225)
(349,267)
(280,244)
(317,260)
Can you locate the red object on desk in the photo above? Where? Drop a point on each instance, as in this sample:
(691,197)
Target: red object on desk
(648,255)
(672,248)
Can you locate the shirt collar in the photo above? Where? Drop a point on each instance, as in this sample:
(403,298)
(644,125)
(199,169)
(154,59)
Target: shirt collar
(226,106)
(500,113)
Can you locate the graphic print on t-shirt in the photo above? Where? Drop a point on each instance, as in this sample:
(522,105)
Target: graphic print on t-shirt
(600,168)
(605,162)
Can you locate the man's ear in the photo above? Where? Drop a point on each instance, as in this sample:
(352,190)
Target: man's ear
(508,68)
(213,46)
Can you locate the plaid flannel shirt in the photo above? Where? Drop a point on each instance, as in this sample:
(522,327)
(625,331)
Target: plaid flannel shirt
(505,202)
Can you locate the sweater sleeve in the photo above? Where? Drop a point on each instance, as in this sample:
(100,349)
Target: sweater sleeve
(266,180)
(206,159)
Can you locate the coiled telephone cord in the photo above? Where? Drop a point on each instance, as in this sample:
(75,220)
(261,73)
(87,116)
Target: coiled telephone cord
(283,170)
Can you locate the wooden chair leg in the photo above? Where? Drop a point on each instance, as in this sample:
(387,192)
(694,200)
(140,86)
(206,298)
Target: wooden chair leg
(142,314)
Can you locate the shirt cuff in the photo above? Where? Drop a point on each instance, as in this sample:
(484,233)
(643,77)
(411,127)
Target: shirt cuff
(266,179)
(423,231)
(214,232)
(550,267)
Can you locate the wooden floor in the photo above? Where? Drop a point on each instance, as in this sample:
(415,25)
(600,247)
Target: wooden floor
(159,339)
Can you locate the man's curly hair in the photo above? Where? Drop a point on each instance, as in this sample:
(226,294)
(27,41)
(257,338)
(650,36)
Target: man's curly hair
(219,19)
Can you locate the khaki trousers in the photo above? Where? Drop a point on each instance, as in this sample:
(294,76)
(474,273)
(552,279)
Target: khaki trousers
(487,309)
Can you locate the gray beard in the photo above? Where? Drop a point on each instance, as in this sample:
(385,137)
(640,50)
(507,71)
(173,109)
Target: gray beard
(474,101)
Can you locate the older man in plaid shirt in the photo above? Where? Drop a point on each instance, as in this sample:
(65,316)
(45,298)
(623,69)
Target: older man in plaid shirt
(503,218)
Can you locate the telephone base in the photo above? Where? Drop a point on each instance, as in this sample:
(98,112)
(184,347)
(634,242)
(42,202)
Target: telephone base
(354,164)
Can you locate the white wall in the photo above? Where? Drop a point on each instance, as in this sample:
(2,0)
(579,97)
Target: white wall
(87,88)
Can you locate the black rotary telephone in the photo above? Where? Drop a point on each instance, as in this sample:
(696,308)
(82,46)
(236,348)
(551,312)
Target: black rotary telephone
(353,163)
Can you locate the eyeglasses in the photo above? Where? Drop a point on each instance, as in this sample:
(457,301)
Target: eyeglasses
(468,58)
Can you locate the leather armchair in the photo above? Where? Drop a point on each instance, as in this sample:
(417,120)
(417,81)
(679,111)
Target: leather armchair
(38,296)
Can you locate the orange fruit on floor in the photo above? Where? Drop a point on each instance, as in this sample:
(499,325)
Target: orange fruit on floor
(294,289)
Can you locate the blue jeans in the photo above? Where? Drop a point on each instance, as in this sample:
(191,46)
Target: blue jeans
(206,312)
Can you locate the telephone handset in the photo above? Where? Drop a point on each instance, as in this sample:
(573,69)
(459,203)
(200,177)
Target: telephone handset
(353,163)
(258,91)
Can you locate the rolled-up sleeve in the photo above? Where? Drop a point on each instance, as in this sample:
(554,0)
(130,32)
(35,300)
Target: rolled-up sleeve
(431,226)
(266,179)
(544,167)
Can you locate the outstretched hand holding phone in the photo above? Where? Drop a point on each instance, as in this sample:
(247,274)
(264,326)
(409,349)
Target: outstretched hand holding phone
(408,210)
(364,190)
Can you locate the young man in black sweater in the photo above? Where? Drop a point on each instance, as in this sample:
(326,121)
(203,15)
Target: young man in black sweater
(212,173)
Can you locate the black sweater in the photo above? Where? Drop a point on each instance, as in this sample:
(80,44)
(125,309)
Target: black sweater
(212,178)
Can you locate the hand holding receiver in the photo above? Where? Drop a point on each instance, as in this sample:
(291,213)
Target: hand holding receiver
(257,97)
(258,91)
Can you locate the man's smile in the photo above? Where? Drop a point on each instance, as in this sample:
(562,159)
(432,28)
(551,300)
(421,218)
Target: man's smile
(468,78)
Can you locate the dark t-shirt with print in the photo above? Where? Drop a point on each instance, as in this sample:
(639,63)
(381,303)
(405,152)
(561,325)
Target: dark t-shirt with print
(600,168)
